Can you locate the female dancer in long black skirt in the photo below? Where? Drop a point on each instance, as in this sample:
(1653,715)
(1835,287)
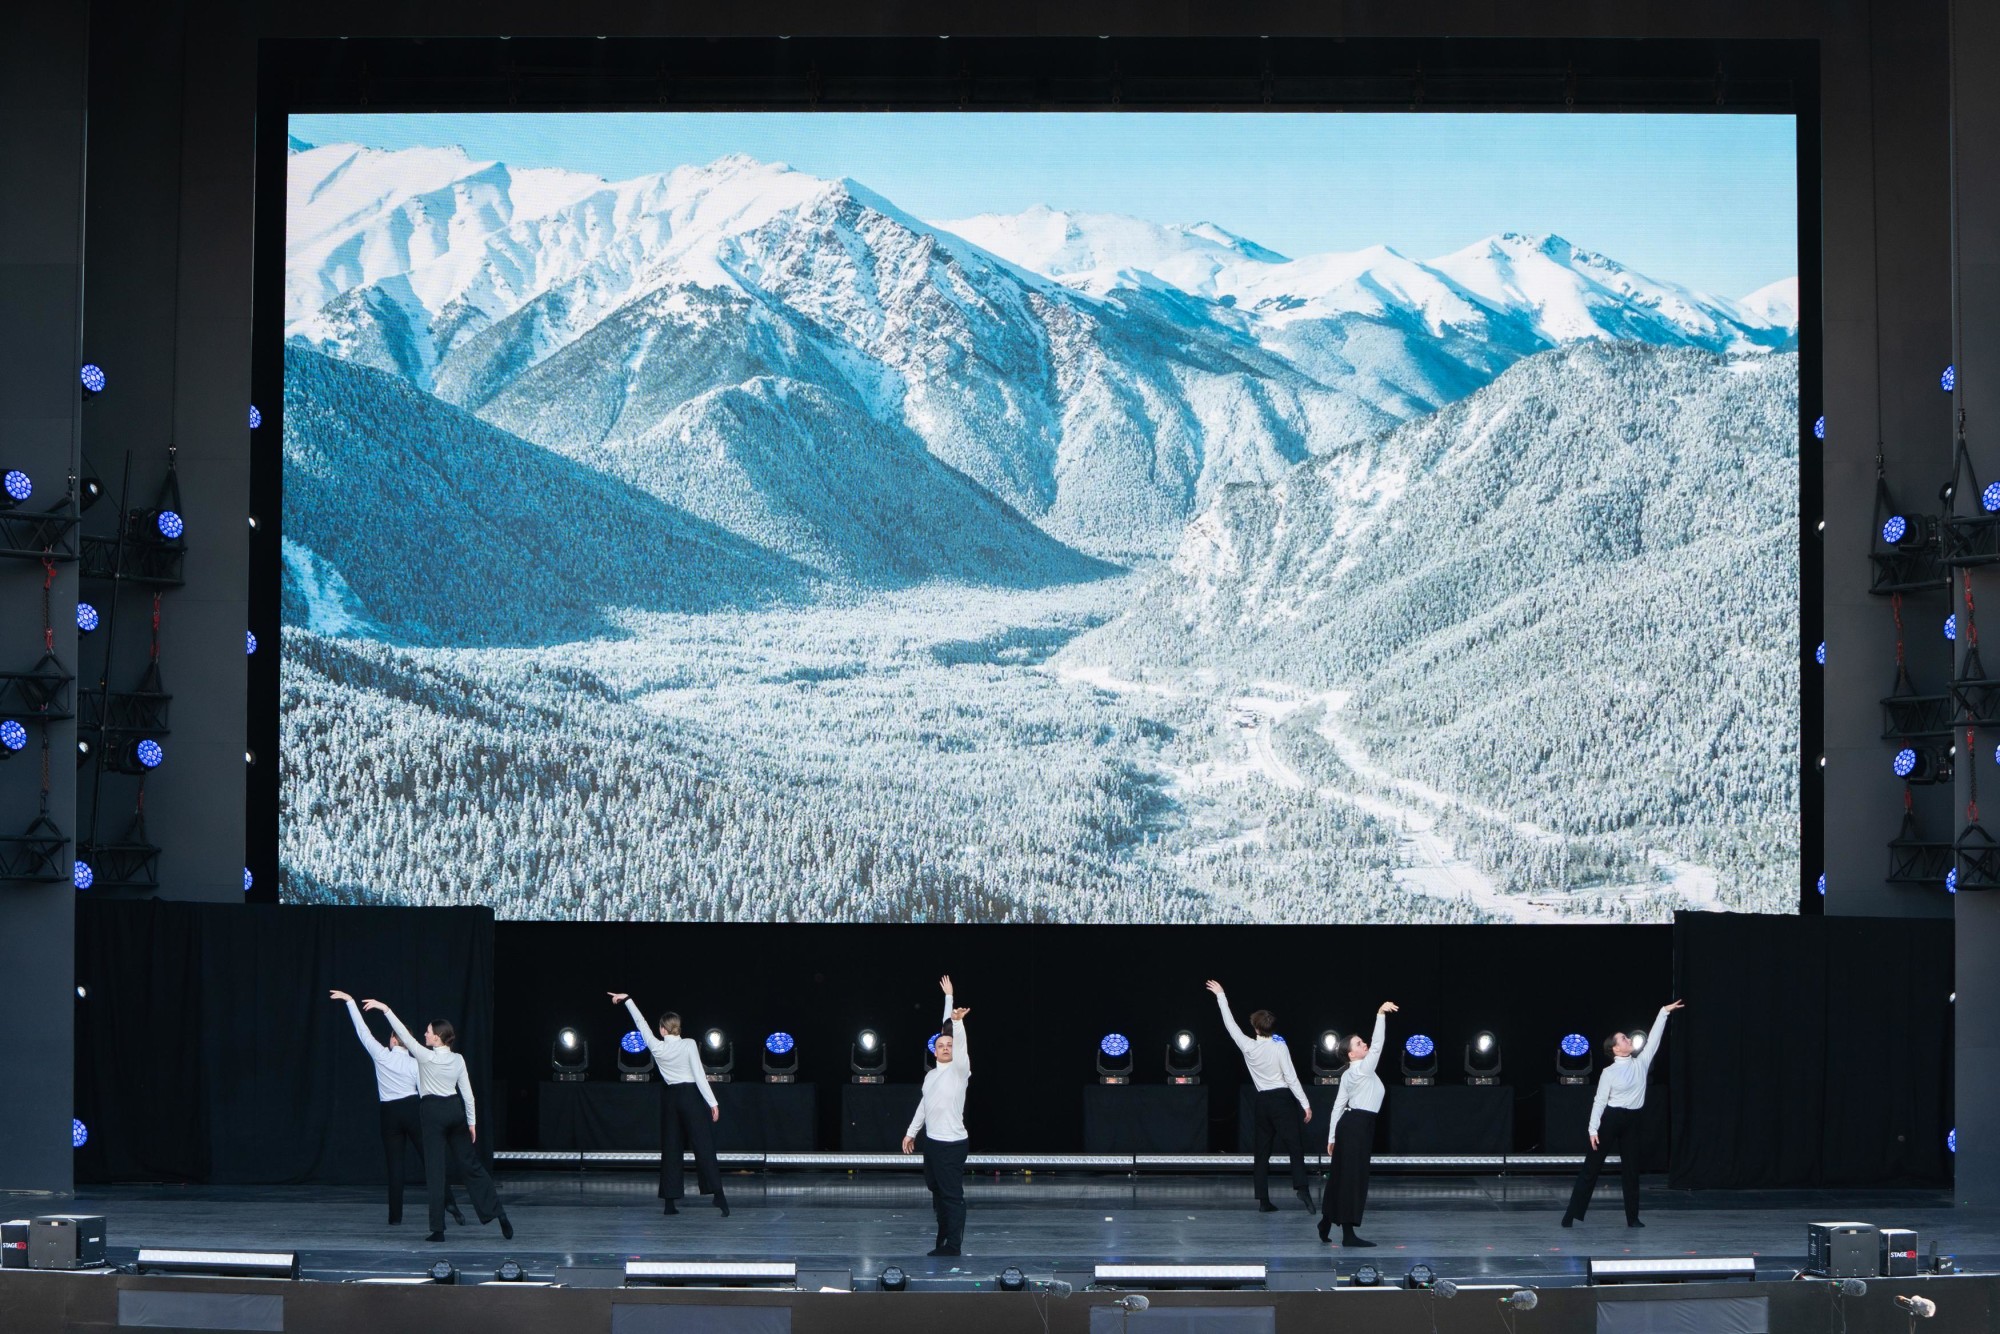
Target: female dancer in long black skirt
(1350,1135)
(450,1122)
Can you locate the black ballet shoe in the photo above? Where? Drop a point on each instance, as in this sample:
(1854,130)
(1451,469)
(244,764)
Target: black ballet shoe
(1633,1222)
(722,1203)
(506,1227)
(943,1250)
(1568,1220)
(1325,1232)
(435,1236)
(1348,1238)
(1266,1207)
(669,1207)
(456,1216)
(1305,1198)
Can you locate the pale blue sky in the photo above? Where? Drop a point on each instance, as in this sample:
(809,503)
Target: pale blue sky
(1705,200)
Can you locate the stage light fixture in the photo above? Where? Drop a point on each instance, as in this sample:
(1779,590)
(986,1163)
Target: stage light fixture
(569,1057)
(13,737)
(1951,881)
(1819,654)
(1573,1063)
(1367,1276)
(169,524)
(92,379)
(148,753)
(1012,1279)
(781,1058)
(930,1046)
(1521,1299)
(1951,626)
(1420,1063)
(893,1279)
(1182,1276)
(256,417)
(718,1056)
(510,1271)
(82,876)
(1420,1275)
(1114,1059)
(1637,1036)
(88,492)
(1924,764)
(1670,1269)
(1819,428)
(219,1264)
(15,488)
(1989,499)
(1822,884)
(79,1133)
(1895,529)
(442,1272)
(248,880)
(867,1058)
(86,617)
(1482,1059)
(1949,380)
(713,1273)
(1184,1059)
(1951,1140)
(635,1062)
(1327,1058)
(249,641)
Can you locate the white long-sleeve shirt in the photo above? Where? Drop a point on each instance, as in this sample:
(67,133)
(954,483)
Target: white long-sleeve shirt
(679,1059)
(1623,1083)
(441,1071)
(941,1111)
(1270,1061)
(395,1068)
(1360,1087)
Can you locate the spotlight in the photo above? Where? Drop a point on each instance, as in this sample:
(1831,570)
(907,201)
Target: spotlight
(781,1058)
(82,876)
(635,1063)
(248,880)
(442,1272)
(148,753)
(509,1271)
(86,617)
(867,1058)
(1420,1064)
(1421,1275)
(1822,884)
(1920,1308)
(249,641)
(219,1264)
(79,1133)
(256,417)
(1114,1059)
(1184,1059)
(1951,626)
(1638,1038)
(13,736)
(92,378)
(569,1057)
(1326,1058)
(1819,654)
(1819,428)
(718,1056)
(1482,1059)
(1949,380)
(893,1279)
(1367,1276)
(1521,1299)
(1951,1140)
(1012,1279)
(1989,499)
(170,525)
(1573,1063)
(82,752)
(1951,881)
(15,488)
(930,1045)
(88,492)
(1896,528)
(1676,1269)
(1923,764)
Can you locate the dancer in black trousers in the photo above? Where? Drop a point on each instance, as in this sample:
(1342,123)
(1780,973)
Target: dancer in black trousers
(1615,1119)
(450,1123)
(1350,1135)
(396,1091)
(1278,1122)
(941,1116)
(687,1108)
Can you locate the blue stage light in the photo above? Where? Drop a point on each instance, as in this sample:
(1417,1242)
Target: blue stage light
(1822,884)
(634,1042)
(930,1044)
(779,1043)
(12,735)
(18,484)
(86,617)
(1951,1139)
(1894,528)
(1419,1046)
(82,875)
(1989,499)
(1115,1044)
(1576,1044)
(1819,654)
(149,754)
(248,880)
(1906,760)
(1819,428)
(256,417)
(249,641)
(1951,881)
(1949,380)
(170,525)
(79,1133)
(92,376)
(1951,626)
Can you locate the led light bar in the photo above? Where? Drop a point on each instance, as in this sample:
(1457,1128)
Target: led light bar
(1093,1161)
(1182,1276)
(838,1160)
(233,1264)
(1671,1269)
(713,1273)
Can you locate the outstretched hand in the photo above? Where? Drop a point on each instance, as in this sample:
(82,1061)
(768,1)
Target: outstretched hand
(960,1013)
(1676,1005)
(374,1005)
(1387,1007)
(944,984)
(1214,986)
(618,997)
(341,996)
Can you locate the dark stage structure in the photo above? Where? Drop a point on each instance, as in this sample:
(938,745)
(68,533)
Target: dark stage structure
(1842,1063)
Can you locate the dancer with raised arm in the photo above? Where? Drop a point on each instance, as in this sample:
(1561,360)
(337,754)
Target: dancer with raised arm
(1350,1135)
(450,1122)
(1276,1121)
(687,1108)
(1615,1119)
(396,1092)
(941,1116)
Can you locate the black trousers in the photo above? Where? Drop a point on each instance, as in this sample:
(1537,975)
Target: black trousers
(1347,1175)
(1278,1124)
(685,1124)
(448,1144)
(1617,1132)
(402,1123)
(944,1173)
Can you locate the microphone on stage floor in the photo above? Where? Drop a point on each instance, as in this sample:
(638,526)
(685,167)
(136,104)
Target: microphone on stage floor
(1059,1287)
(1923,1308)
(1850,1287)
(1132,1303)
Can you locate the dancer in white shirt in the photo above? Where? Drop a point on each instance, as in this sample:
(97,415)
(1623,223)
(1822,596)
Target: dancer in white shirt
(687,1108)
(941,1116)
(1615,1119)
(1350,1135)
(396,1093)
(1277,1122)
(450,1120)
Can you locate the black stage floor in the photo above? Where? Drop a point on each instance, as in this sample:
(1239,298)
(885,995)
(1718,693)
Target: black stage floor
(1472,1227)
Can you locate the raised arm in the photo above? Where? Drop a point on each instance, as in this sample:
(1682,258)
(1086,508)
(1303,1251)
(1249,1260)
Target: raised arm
(654,1043)
(1229,1024)
(959,1057)
(412,1045)
(1368,1063)
(376,1050)
(1645,1057)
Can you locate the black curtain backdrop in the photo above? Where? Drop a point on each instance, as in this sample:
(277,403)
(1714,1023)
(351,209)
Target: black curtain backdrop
(207,1049)
(1815,1051)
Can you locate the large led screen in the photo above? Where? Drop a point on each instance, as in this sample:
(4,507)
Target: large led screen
(1116,518)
